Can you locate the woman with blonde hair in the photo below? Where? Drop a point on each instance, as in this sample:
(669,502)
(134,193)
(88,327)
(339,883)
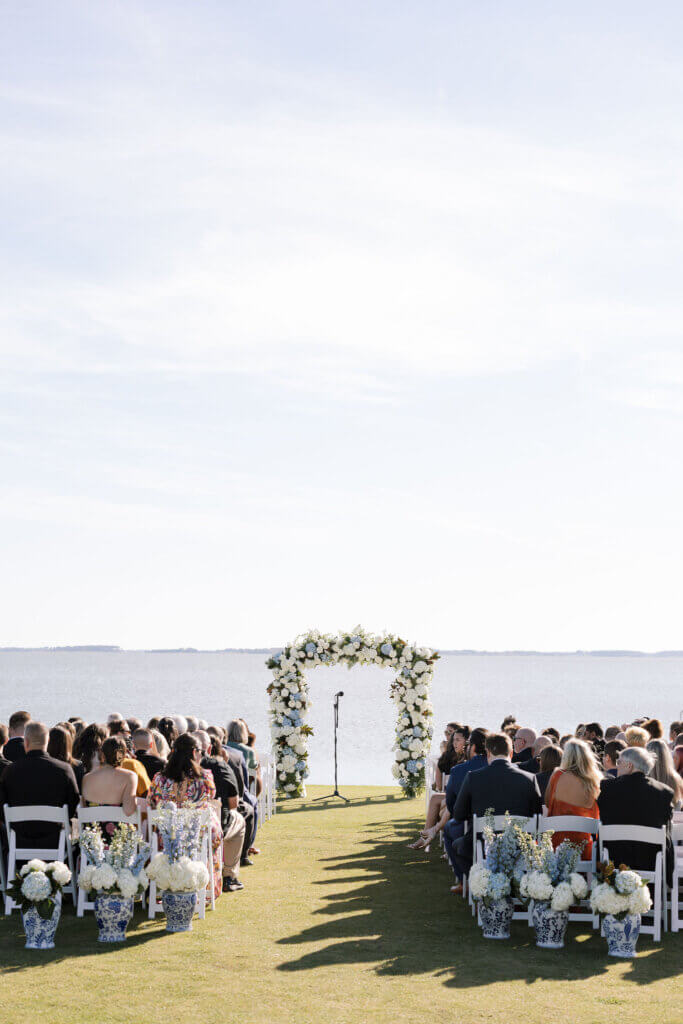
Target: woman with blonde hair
(636,737)
(664,770)
(573,790)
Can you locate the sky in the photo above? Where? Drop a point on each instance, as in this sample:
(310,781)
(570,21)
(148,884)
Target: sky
(314,314)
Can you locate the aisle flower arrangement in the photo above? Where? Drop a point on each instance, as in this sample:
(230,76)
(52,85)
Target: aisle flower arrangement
(495,881)
(552,884)
(115,874)
(289,700)
(37,888)
(622,896)
(177,870)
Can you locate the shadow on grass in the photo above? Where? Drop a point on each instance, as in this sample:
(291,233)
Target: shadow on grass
(391,907)
(325,803)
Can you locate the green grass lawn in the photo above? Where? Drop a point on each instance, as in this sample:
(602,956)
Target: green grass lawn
(339,924)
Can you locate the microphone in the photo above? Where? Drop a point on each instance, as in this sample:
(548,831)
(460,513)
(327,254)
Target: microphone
(340,694)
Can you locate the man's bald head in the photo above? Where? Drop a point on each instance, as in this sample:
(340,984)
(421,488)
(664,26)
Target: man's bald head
(524,739)
(203,739)
(541,742)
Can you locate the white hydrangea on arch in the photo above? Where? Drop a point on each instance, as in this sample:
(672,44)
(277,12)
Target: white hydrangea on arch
(289,700)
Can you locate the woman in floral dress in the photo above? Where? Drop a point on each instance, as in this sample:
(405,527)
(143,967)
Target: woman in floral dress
(185,782)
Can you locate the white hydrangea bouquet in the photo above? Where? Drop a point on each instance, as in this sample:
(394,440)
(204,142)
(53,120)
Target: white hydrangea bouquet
(550,877)
(38,885)
(619,892)
(178,867)
(117,869)
(497,877)
(289,700)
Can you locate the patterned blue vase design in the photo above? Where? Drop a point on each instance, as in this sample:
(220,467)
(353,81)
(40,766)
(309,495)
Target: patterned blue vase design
(495,919)
(622,936)
(550,926)
(112,914)
(40,933)
(179,908)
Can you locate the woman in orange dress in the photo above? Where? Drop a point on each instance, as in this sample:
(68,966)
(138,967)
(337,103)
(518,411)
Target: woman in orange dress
(573,790)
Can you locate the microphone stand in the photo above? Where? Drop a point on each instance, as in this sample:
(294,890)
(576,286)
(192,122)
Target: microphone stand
(336,726)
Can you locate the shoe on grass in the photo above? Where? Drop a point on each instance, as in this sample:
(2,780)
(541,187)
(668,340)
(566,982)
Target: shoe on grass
(232,884)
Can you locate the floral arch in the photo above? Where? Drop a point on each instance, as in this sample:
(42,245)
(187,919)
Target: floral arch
(289,700)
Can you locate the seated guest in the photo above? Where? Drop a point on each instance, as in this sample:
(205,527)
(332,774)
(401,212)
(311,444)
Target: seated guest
(678,758)
(168,731)
(38,778)
(186,783)
(636,737)
(192,723)
(500,787)
(524,744)
(654,727)
(635,799)
(593,735)
(134,724)
(454,754)
(573,790)
(232,822)
(237,739)
(549,759)
(251,743)
(454,830)
(77,723)
(180,723)
(122,729)
(110,784)
(59,746)
(162,748)
(137,767)
(14,747)
(146,752)
(88,744)
(663,770)
(611,755)
(674,729)
(533,764)
(553,733)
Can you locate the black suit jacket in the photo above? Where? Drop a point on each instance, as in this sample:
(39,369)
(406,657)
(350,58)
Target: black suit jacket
(502,787)
(39,779)
(532,766)
(523,755)
(226,785)
(238,765)
(14,749)
(636,799)
(150,762)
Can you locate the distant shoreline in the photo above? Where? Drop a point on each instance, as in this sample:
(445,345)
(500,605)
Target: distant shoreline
(112,649)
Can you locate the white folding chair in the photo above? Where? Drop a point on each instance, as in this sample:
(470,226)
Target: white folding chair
(656,879)
(155,906)
(587,867)
(62,851)
(430,778)
(677,884)
(530,825)
(96,815)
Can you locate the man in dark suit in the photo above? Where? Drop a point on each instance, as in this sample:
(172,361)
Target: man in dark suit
(635,799)
(453,830)
(247,798)
(499,788)
(523,745)
(533,765)
(146,752)
(38,778)
(14,748)
(232,822)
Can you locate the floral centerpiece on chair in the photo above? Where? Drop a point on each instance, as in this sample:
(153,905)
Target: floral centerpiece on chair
(116,874)
(622,896)
(37,888)
(494,881)
(553,885)
(178,871)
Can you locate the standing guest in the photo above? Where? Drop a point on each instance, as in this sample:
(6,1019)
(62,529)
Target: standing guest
(232,822)
(523,744)
(635,799)
(549,759)
(533,765)
(110,784)
(39,779)
(59,746)
(663,770)
(88,745)
(14,747)
(654,727)
(146,752)
(168,730)
(186,783)
(573,790)
(611,755)
(636,737)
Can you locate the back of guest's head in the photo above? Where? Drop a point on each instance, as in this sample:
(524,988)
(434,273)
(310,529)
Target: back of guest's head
(134,724)
(114,717)
(477,741)
(168,730)
(654,727)
(498,744)
(181,764)
(678,742)
(251,739)
(540,743)
(70,728)
(163,749)
(202,724)
(579,759)
(663,769)
(35,736)
(611,732)
(216,748)
(549,758)
(4,734)
(18,722)
(119,728)
(153,722)
(636,737)
(236,731)
(674,729)
(88,744)
(60,743)
(142,739)
(508,720)
(192,723)
(525,737)
(580,730)
(677,755)
(565,739)
(203,739)
(553,732)
(114,750)
(180,723)
(612,750)
(639,758)
(77,723)
(593,729)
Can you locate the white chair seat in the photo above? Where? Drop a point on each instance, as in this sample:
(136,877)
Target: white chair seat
(62,851)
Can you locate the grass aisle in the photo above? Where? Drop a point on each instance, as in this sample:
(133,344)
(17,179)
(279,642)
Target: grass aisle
(339,924)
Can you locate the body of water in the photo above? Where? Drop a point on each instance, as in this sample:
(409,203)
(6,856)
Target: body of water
(479,689)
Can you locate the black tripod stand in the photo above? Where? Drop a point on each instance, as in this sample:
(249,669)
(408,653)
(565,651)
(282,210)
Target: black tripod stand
(336,726)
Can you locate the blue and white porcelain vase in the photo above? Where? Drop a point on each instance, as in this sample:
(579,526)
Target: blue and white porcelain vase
(495,918)
(622,935)
(112,914)
(40,931)
(179,908)
(550,926)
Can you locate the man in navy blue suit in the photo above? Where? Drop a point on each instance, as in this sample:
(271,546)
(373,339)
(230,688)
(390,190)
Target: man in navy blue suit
(453,830)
